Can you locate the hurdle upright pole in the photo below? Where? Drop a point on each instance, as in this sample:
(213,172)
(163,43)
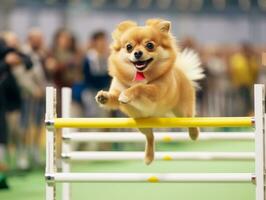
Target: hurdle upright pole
(50,168)
(259,100)
(66,145)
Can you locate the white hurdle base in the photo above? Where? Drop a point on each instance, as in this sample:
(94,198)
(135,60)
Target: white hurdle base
(156,177)
(159,136)
(115,156)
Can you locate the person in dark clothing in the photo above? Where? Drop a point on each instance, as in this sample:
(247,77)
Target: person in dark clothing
(95,71)
(10,98)
(9,91)
(8,58)
(95,63)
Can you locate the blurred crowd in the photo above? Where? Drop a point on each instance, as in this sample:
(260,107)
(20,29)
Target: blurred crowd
(27,67)
(231,72)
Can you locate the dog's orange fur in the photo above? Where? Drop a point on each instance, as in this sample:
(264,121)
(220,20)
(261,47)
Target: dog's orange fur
(166,91)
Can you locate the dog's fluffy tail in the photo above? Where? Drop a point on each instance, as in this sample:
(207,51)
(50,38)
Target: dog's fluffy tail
(189,62)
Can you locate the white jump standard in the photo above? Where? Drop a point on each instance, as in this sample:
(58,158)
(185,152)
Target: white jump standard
(52,176)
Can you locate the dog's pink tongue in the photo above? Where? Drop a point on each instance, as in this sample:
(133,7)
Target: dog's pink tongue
(139,76)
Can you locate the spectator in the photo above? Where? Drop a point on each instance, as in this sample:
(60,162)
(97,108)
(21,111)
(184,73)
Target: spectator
(218,83)
(244,71)
(34,48)
(65,62)
(95,71)
(18,111)
(8,59)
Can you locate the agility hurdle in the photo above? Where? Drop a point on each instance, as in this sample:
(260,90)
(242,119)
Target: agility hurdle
(52,176)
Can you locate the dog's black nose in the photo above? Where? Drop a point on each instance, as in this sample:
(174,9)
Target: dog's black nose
(138,54)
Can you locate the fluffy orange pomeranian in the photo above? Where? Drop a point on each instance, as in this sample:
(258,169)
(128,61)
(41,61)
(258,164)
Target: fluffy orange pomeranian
(151,77)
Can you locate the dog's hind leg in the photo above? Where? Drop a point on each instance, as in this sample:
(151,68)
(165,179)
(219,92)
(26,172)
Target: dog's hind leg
(189,112)
(149,148)
(193,132)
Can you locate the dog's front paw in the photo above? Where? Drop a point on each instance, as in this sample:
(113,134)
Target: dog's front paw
(102,97)
(123,98)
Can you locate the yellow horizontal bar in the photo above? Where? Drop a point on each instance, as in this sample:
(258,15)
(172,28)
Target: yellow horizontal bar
(153,122)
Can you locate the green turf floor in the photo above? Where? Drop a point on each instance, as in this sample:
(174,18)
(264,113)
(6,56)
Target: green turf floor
(31,186)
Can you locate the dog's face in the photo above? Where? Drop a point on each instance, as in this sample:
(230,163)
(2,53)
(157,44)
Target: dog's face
(143,49)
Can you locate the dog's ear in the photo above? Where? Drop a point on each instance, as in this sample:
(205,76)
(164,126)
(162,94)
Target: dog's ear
(122,27)
(163,25)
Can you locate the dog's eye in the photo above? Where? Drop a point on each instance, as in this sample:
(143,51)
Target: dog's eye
(129,47)
(150,46)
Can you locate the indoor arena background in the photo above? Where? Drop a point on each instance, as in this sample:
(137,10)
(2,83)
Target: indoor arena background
(57,41)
